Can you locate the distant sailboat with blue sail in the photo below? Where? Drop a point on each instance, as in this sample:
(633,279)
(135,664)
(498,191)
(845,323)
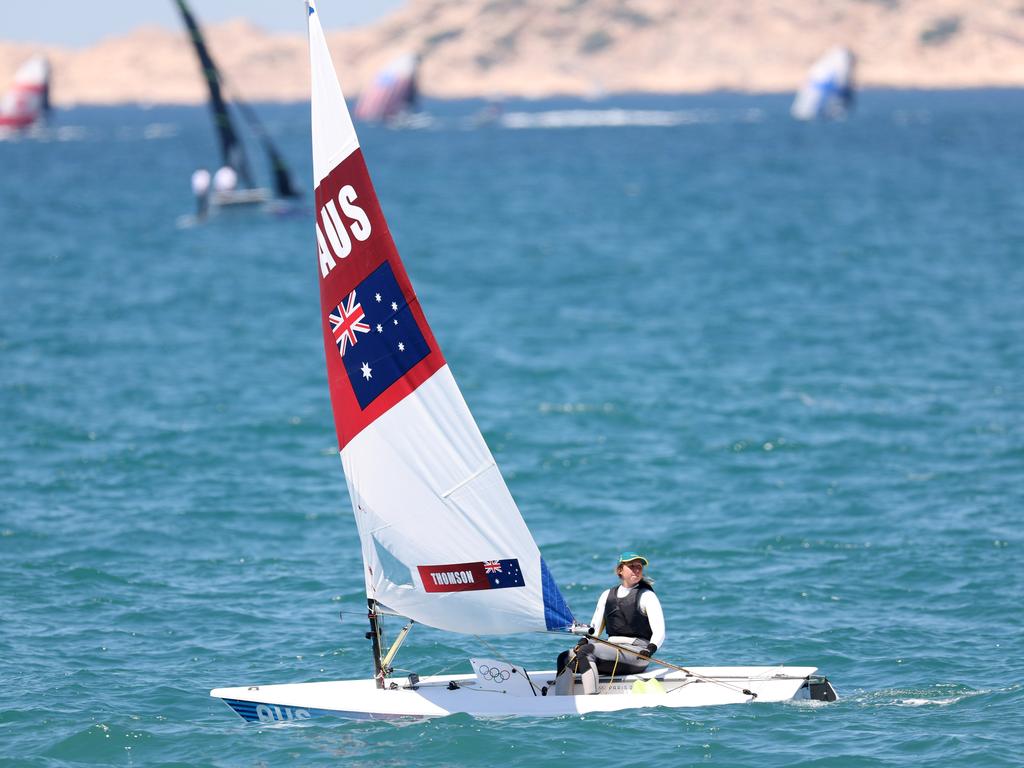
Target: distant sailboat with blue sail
(233,185)
(829,90)
(443,542)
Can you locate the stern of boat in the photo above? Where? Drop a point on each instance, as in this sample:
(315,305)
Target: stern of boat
(819,688)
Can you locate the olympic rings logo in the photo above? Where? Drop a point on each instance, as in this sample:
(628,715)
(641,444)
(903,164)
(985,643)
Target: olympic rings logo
(494,674)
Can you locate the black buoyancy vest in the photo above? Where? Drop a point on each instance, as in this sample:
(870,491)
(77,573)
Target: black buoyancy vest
(622,616)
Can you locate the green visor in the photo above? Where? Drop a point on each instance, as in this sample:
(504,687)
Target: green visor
(627,557)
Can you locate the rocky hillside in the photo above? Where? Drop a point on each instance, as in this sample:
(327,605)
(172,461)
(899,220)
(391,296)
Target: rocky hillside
(540,48)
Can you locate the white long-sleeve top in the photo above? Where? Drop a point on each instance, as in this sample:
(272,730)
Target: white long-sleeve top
(650,606)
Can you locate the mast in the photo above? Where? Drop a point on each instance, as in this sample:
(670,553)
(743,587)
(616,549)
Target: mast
(231,149)
(375,636)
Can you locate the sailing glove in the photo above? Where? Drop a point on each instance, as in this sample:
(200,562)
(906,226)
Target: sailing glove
(646,652)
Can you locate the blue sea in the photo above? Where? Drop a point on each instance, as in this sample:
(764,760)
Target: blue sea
(783,360)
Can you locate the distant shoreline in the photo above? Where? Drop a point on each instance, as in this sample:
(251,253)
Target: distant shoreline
(534,49)
(610,98)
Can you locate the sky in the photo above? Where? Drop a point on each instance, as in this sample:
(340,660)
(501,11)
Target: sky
(80,23)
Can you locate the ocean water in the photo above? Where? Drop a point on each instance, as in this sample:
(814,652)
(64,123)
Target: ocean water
(785,361)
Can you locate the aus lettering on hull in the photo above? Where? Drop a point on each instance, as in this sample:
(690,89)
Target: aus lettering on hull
(269,713)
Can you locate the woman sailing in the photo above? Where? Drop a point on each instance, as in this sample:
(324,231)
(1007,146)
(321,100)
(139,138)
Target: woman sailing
(631,613)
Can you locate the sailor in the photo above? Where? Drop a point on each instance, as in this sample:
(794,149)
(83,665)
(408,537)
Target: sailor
(632,615)
(201,189)
(225,179)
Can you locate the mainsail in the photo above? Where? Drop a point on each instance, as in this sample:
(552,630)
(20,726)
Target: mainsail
(28,99)
(443,542)
(829,89)
(392,92)
(232,150)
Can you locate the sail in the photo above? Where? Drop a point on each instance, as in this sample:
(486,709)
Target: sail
(28,99)
(829,89)
(232,150)
(392,92)
(442,539)
(283,185)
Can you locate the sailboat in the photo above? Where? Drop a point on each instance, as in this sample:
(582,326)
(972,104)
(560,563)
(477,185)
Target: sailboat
(27,102)
(829,89)
(443,542)
(393,95)
(232,151)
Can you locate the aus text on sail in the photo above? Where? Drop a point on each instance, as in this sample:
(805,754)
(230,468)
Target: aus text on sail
(332,233)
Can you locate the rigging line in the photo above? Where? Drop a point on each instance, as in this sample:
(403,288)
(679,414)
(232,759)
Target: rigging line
(572,656)
(569,659)
(615,666)
(515,667)
(730,686)
(445,669)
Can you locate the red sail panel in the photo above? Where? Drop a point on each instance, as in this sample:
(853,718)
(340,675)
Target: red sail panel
(378,344)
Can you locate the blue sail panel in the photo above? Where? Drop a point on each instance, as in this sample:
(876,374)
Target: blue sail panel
(557,615)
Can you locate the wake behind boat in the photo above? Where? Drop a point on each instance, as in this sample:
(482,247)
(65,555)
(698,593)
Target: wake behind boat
(443,542)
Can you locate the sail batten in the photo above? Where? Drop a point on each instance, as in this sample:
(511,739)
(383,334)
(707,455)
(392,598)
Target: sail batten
(469,479)
(442,539)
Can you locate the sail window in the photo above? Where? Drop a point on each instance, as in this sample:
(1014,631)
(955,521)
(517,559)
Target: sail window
(394,570)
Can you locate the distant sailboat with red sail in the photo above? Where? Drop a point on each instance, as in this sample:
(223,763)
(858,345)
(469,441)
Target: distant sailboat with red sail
(27,102)
(393,96)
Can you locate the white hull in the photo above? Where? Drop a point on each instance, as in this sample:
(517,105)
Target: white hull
(433,696)
(241,197)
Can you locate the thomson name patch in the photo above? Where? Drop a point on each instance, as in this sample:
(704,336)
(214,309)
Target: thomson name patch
(467,577)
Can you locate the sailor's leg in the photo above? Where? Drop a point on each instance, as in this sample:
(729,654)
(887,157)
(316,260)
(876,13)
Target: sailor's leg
(611,661)
(588,668)
(579,660)
(563,660)
(566,678)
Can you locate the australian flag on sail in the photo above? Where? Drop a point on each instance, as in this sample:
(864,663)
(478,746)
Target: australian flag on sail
(377,335)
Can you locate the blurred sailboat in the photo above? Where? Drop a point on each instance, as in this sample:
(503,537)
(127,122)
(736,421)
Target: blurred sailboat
(233,184)
(393,96)
(488,115)
(27,101)
(829,89)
